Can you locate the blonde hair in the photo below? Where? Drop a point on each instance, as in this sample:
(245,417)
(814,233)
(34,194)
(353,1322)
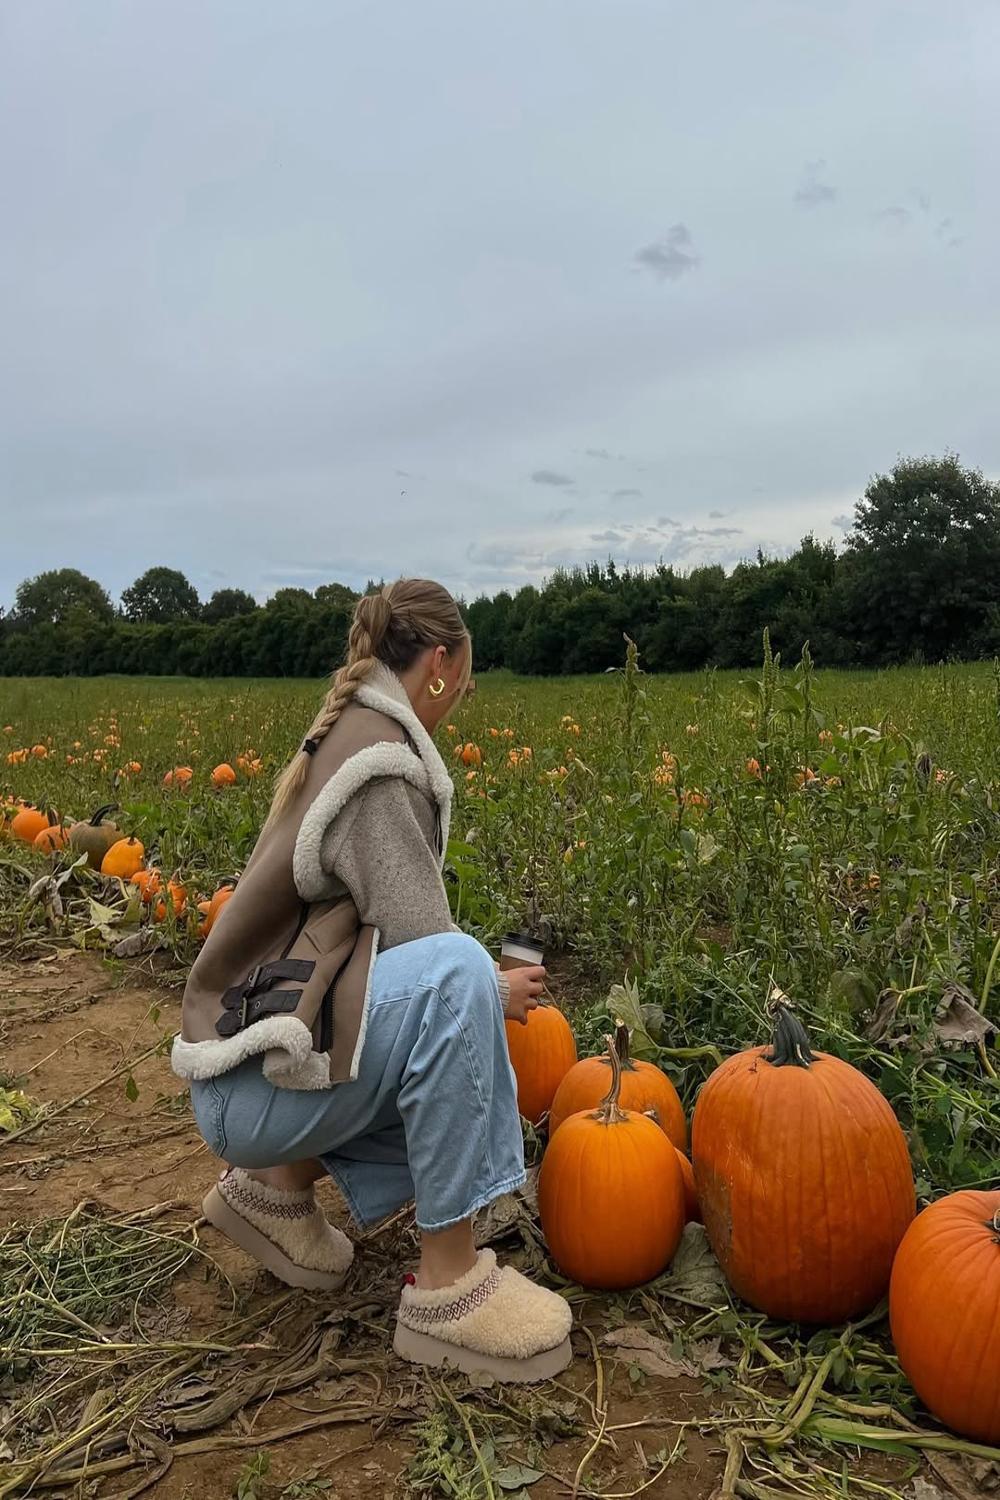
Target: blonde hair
(392,627)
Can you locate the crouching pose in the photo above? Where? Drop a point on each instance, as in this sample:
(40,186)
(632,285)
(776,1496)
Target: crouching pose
(337,1022)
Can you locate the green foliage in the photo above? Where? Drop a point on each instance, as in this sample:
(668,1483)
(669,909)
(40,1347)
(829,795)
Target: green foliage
(61,597)
(159,597)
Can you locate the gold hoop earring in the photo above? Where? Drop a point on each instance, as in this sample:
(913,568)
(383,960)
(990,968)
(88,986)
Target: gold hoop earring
(436,688)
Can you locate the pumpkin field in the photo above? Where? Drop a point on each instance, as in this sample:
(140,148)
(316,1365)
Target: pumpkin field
(770,904)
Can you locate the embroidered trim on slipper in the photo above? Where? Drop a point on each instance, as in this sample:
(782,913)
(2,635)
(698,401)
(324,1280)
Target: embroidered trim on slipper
(449,1312)
(237,1193)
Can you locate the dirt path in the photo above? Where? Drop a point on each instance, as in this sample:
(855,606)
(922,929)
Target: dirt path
(71,1021)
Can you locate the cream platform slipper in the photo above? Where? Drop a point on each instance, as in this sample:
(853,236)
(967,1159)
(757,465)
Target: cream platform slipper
(492,1321)
(287,1232)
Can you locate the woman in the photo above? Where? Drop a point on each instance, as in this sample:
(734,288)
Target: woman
(337,1021)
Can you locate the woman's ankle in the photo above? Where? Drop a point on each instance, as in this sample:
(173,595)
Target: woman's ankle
(446,1257)
(294,1178)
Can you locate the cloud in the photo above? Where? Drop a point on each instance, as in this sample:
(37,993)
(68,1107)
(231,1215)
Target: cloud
(717,515)
(895,218)
(721,531)
(550,476)
(597,452)
(669,258)
(843,523)
(666,521)
(615,538)
(626,494)
(554,517)
(812,190)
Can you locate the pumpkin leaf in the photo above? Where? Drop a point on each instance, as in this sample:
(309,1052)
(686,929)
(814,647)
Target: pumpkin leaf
(958,1022)
(624,1005)
(642,1349)
(516,1476)
(694,1274)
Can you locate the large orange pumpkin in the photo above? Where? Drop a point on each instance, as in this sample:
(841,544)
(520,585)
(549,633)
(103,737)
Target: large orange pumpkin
(803,1179)
(610,1194)
(944,1309)
(644,1088)
(541,1053)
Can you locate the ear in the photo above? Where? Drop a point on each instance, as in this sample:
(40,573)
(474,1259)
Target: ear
(438,660)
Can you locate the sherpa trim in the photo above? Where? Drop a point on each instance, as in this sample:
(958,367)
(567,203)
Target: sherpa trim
(385,759)
(283,1037)
(383,691)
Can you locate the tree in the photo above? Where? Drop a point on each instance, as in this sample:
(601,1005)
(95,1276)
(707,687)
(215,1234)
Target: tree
(53,597)
(921,573)
(336,593)
(226,604)
(159,597)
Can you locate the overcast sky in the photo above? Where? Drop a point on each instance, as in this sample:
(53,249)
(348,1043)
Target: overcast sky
(301,290)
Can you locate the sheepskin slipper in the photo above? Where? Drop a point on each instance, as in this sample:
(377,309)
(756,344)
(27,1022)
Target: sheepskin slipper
(287,1232)
(491,1321)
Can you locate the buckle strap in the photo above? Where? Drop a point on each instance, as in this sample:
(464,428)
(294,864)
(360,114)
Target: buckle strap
(274,1003)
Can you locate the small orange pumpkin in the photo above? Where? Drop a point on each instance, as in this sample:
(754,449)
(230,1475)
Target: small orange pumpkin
(180,776)
(148,883)
(176,895)
(644,1088)
(52,838)
(541,1053)
(692,1213)
(610,1194)
(943,1301)
(29,823)
(469,754)
(204,926)
(123,859)
(223,775)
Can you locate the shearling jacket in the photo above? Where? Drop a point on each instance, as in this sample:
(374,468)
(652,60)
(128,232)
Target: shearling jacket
(352,865)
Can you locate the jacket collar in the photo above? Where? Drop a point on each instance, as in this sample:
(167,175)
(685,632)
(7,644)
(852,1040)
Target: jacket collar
(383,691)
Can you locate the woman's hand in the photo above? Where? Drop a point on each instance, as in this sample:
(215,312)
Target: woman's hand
(526,984)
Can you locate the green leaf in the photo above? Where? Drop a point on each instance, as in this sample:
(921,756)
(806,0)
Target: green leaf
(131,1089)
(516,1476)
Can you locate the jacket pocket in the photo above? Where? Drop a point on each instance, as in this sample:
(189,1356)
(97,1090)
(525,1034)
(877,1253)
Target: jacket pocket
(208,1105)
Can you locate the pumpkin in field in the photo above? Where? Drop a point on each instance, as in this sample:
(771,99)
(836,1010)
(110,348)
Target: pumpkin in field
(692,1213)
(223,775)
(944,1305)
(211,910)
(541,1054)
(469,754)
(123,859)
(29,823)
(803,1178)
(93,837)
(644,1088)
(180,777)
(52,838)
(176,895)
(148,884)
(610,1194)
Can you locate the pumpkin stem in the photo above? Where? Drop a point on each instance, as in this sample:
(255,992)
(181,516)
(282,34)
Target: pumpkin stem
(791,1041)
(607,1112)
(994,1224)
(102,812)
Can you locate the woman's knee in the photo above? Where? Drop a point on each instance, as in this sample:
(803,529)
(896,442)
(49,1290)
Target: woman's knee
(459,965)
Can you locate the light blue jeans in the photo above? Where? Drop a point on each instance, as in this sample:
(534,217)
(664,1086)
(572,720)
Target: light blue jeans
(432,1115)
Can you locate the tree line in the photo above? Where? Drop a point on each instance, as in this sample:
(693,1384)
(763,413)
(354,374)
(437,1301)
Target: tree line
(917,579)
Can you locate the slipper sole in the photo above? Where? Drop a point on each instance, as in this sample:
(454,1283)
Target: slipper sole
(218,1212)
(423,1349)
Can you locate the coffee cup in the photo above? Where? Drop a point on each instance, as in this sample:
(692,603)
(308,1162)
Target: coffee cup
(520,949)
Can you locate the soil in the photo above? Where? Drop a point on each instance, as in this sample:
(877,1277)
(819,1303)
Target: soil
(68,1024)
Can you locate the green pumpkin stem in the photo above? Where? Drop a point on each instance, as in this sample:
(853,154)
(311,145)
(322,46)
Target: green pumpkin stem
(790,1046)
(608,1112)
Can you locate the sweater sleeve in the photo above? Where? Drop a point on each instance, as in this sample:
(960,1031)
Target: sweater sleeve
(380,850)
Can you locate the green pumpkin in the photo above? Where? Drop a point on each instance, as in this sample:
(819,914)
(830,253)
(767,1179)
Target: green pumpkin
(94,837)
